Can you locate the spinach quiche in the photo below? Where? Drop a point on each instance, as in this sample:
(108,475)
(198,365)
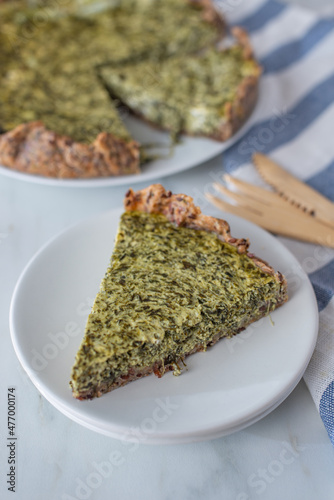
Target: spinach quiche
(177,283)
(57,117)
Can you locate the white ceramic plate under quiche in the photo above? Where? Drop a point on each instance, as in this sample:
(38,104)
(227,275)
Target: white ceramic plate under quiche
(229,387)
(191,151)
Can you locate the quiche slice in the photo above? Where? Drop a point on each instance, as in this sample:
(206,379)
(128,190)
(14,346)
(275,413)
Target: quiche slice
(210,93)
(177,282)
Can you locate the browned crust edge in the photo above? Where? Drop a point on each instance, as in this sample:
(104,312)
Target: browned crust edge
(238,111)
(33,149)
(161,367)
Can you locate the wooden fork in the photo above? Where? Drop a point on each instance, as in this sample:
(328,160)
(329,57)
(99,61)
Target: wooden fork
(269,210)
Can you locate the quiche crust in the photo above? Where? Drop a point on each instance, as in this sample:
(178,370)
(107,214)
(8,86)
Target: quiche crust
(31,148)
(238,111)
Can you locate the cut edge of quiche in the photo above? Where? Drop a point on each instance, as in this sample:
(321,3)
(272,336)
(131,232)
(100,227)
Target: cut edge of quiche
(213,109)
(172,306)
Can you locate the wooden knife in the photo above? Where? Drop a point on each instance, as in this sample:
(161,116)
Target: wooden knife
(294,190)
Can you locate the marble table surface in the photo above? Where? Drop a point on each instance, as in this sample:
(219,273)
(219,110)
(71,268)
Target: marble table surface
(286,455)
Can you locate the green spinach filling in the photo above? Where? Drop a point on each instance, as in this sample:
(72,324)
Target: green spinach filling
(167,290)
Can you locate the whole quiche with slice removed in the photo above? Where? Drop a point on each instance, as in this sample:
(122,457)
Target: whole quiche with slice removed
(56,117)
(62,91)
(177,283)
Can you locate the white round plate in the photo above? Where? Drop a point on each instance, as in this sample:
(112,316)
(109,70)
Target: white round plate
(187,154)
(230,386)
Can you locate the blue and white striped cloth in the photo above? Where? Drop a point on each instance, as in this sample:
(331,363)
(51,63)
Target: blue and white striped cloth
(294,124)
